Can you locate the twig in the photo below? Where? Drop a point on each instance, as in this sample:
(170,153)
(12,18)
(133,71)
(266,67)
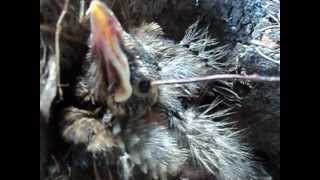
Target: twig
(44,55)
(52,30)
(113,3)
(49,90)
(275,18)
(267,45)
(81,13)
(266,57)
(57,44)
(124,11)
(109,174)
(253,77)
(95,170)
(269,27)
(56,163)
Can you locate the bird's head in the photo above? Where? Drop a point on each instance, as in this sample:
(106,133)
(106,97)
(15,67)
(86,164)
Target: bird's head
(124,69)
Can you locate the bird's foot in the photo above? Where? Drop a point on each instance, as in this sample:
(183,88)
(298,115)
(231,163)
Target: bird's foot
(81,127)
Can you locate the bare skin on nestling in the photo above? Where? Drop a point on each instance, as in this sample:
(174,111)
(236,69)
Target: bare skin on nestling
(150,125)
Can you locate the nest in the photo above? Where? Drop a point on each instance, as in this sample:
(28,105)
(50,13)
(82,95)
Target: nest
(64,32)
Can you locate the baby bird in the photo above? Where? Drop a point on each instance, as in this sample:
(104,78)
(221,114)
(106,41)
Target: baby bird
(139,126)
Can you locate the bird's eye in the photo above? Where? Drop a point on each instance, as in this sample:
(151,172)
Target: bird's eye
(144,86)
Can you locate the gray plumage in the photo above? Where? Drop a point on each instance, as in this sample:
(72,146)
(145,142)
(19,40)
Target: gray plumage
(161,131)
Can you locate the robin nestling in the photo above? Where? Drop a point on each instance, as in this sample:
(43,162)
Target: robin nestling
(153,129)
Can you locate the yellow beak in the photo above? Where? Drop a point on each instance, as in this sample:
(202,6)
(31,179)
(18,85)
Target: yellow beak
(106,39)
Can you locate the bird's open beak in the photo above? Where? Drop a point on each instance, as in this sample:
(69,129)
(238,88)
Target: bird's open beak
(106,39)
